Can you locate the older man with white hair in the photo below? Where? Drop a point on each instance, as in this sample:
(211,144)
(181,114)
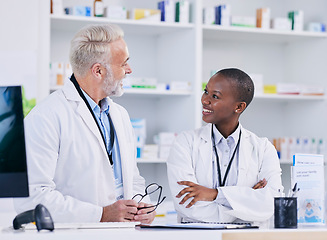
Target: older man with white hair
(80,144)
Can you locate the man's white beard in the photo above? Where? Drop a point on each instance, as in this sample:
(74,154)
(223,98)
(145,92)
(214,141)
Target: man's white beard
(112,87)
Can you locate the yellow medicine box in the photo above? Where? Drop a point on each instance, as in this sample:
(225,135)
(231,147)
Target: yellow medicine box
(269,89)
(147,14)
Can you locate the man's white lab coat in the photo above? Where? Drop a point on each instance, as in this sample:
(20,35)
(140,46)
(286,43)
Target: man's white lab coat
(68,167)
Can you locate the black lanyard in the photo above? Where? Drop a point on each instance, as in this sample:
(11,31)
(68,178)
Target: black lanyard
(221,184)
(112,138)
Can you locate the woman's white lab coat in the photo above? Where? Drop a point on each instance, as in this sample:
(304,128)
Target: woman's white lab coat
(68,167)
(190,159)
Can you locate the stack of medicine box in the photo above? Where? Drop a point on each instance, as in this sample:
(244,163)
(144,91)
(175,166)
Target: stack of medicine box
(166,140)
(172,11)
(220,15)
(296,18)
(263,18)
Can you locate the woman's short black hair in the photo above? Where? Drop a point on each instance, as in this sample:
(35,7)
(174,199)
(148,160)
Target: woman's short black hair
(243,83)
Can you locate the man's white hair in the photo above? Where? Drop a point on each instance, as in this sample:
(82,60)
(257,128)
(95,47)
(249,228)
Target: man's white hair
(91,45)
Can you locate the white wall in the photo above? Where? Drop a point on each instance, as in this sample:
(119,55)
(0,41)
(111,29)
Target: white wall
(19,49)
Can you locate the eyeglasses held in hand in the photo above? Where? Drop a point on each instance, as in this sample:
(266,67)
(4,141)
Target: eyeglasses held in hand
(150,189)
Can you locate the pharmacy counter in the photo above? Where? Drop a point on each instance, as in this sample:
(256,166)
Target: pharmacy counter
(165,234)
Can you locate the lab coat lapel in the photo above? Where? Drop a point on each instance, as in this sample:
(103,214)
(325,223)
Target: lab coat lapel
(245,153)
(125,156)
(205,151)
(72,95)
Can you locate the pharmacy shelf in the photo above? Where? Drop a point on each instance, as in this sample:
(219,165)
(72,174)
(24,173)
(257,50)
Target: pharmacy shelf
(289,97)
(154,160)
(141,27)
(144,92)
(217,32)
(155,92)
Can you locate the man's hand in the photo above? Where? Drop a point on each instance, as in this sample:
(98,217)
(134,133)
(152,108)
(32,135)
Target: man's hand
(261,184)
(198,192)
(120,211)
(143,216)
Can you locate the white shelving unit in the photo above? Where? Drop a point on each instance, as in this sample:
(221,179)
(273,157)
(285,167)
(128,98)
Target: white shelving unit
(190,52)
(289,97)
(130,26)
(217,32)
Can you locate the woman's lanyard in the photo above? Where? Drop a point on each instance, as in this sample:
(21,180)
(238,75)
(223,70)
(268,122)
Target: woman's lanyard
(112,137)
(221,184)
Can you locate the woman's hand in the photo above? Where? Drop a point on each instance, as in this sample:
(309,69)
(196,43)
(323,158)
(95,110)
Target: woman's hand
(198,192)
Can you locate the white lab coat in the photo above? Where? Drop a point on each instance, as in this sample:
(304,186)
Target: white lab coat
(190,159)
(68,168)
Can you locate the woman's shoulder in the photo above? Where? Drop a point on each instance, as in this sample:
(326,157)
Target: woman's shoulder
(195,134)
(254,138)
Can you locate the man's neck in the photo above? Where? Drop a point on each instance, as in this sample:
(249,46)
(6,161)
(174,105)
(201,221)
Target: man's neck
(91,90)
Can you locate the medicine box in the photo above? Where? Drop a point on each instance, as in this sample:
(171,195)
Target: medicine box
(139,82)
(84,11)
(115,12)
(57,69)
(263,18)
(288,88)
(258,83)
(167,9)
(283,24)
(296,18)
(209,15)
(243,21)
(223,15)
(166,138)
(269,89)
(182,14)
(68,71)
(316,27)
(153,15)
(57,7)
(311,89)
(150,151)
(180,86)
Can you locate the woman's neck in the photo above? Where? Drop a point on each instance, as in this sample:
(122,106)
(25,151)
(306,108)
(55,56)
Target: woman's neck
(227,130)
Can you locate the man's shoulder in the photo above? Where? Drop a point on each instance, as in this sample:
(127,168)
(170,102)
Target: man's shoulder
(50,105)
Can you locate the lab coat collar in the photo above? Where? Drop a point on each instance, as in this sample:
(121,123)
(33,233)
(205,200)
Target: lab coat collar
(115,114)
(71,94)
(205,133)
(125,156)
(245,152)
(218,136)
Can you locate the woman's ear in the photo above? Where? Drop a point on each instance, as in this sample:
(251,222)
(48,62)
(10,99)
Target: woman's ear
(240,107)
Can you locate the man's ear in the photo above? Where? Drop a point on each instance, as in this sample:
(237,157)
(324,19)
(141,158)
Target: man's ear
(240,107)
(97,70)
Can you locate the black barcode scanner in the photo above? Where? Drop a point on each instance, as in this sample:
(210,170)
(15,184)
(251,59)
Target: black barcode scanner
(40,215)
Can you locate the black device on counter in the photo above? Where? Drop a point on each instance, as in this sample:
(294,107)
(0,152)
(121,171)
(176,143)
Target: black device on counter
(40,215)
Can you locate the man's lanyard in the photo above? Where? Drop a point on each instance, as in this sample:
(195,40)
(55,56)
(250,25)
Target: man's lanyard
(221,184)
(112,137)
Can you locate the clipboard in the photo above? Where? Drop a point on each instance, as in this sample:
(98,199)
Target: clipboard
(200,226)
